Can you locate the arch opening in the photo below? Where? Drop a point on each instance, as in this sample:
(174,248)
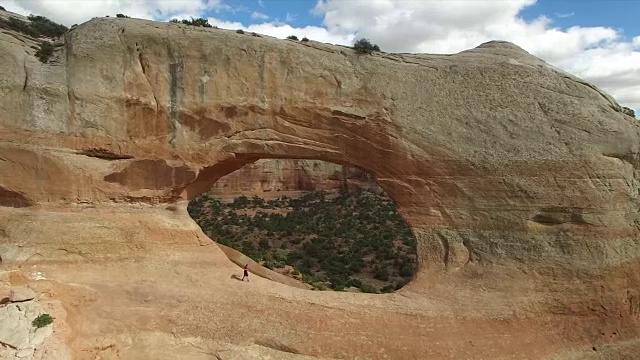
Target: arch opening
(308,223)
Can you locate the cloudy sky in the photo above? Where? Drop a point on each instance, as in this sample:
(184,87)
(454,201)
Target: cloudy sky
(598,40)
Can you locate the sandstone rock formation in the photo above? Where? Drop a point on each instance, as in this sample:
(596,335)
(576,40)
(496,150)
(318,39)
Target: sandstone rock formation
(520,182)
(271,177)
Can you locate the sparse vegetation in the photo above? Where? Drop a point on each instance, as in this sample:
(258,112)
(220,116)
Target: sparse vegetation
(363,46)
(38,26)
(42,320)
(629,111)
(199,22)
(292,37)
(256,35)
(45,27)
(240,31)
(2,8)
(121,16)
(352,239)
(305,39)
(45,52)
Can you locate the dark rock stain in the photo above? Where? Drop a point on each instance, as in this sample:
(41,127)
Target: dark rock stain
(10,198)
(152,174)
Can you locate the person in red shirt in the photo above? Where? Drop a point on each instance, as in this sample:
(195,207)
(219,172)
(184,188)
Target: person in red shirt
(246,272)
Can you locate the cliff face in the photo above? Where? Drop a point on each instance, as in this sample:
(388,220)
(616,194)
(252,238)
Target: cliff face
(519,181)
(267,177)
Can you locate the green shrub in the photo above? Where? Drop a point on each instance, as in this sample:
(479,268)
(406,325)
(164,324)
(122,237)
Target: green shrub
(382,274)
(264,244)
(363,46)
(46,27)
(45,52)
(199,22)
(367,288)
(240,31)
(121,16)
(387,289)
(320,285)
(42,320)
(629,111)
(17,25)
(2,8)
(406,270)
(292,37)
(37,27)
(256,35)
(305,39)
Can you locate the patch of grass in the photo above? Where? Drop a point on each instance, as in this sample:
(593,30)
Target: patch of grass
(42,320)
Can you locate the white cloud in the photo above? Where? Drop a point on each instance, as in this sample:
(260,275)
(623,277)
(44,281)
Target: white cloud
(597,54)
(70,12)
(291,17)
(261,3)
(259,15)
(281,31)
(565,15)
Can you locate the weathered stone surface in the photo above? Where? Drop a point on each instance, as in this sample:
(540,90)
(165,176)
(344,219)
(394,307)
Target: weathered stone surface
(17,331)
(21,294)
(520,182)
(14,331)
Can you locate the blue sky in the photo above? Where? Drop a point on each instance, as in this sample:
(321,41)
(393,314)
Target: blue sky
(296,12)
(620,14)
(597,40)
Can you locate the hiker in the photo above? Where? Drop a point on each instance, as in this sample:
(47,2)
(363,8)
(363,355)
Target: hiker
(246,272)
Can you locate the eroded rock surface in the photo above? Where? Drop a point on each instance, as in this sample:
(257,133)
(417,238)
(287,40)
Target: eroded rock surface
(19,339)
(520,182)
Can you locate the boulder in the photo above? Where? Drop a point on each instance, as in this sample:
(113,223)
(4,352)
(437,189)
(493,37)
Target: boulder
(21,293)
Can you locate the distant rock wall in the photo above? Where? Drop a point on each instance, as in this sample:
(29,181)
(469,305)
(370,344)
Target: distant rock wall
(278,175)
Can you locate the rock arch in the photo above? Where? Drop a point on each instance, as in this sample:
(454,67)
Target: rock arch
(519,180)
